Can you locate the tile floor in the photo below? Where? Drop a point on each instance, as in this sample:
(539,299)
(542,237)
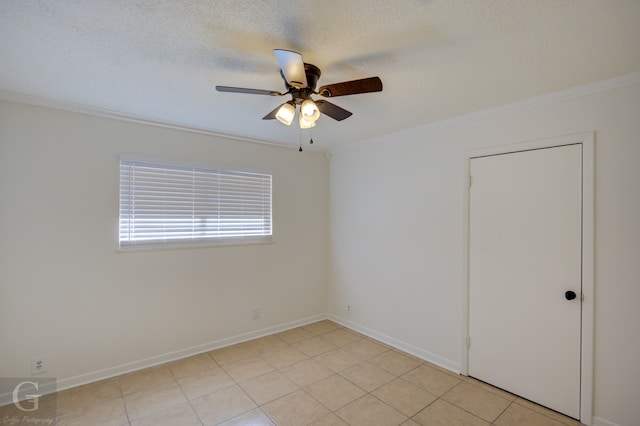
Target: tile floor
(319,374)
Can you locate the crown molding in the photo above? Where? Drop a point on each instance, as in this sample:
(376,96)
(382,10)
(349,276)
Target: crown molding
(39,101)
(549,98)
(558,96)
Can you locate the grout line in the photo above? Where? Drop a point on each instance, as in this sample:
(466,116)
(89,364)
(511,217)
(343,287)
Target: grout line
(503,411)
(544,413)
(185,395)
(124,401)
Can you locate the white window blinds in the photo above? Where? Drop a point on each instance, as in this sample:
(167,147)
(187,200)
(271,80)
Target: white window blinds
(165,204)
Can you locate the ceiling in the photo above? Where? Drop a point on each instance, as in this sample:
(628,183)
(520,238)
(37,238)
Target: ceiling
(161,59)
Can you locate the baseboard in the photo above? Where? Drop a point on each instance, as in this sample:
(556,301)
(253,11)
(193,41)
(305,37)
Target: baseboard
(182,353)
(107,373)
(398,344)
(597,421)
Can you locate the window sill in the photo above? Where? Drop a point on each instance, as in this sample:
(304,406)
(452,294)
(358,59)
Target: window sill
(182,245)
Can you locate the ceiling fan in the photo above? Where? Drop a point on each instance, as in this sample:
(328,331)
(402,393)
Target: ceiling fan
(300,80)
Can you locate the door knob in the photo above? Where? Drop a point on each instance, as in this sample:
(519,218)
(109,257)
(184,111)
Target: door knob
(570,295)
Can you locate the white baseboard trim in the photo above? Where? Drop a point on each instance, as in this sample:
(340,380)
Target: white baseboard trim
(398,344)
(107,373)
(597,421)
(182,353)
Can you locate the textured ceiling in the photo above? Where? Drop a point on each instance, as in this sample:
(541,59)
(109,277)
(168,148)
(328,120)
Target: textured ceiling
(161,59)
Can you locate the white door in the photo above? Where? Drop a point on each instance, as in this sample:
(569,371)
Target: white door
(525,248)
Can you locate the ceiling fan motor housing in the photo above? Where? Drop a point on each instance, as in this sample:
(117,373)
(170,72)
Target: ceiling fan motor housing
(312,73)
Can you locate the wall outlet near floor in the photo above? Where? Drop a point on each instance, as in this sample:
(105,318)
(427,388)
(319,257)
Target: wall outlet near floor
(349,308)
(38,364)
(255,314)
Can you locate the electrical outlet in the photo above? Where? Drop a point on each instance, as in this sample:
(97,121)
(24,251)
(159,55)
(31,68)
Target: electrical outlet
(348,308)
(255,314)
(38,364)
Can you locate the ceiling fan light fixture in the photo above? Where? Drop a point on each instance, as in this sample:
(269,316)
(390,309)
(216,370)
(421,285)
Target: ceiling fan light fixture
(286,113)
(305,124)
(300,79)
(309,111)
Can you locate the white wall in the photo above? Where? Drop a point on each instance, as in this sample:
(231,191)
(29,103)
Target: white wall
(396,232)
(66,293)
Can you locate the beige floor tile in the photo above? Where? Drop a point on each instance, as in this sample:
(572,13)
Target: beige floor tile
(404,396)
(192,365)
(87,395)
(263,344)
(283,357)
(255,417)
(329,420)
(448,372)
(370,411)
(266,388)
(337,360)
(488,387)
(547,412)
(410,423)
(477,401)
(234,353)
(181,414)
(441,413)
(321,327)
(152,401)
(306,372)
(367,376)
(295,335)
(222,405)
(431,380)
(48,402)
(10,411)
(295,409)
(334,392)
(365,349)
(389,347)
(45,413)
(342,337)
(247,368)
(314,346)
(197,385)
(518,415)
(106,413)
(395,362)
(144,379)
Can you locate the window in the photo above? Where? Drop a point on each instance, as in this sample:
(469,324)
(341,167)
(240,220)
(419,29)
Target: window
(163,205)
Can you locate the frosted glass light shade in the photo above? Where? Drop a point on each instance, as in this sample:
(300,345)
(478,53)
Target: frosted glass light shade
(309,110)
(286,113)
(304,124)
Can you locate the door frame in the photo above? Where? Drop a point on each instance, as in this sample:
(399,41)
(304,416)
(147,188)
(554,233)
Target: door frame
(587,140)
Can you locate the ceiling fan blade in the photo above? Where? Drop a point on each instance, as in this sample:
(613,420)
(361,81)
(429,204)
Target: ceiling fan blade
(292,67)
(272,114)
(248,91)
(353,87)
(332,110)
